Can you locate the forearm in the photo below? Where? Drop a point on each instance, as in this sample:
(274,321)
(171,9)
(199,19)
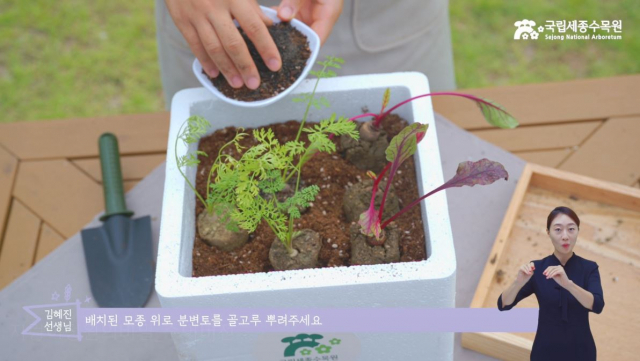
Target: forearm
(583,296)
(509,295)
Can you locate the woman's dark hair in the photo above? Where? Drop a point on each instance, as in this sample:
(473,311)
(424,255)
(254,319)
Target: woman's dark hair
(562,210)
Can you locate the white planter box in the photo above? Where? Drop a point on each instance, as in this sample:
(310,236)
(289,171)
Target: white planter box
(425,284)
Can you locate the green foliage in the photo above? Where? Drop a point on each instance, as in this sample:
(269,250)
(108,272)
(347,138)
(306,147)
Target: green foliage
(331,62)
(244,191)
(299,200)
(496,115)
(195,128)
(316,102)
(405,144)
(319,135)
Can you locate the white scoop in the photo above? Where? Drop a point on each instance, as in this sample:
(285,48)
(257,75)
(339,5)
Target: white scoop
(314,46)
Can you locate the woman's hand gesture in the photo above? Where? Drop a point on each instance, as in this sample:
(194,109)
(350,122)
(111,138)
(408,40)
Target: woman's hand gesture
(558,274)
(525,272)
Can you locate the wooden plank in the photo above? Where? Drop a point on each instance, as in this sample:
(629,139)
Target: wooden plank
(77,138)
(19,243)
(505,346)
(576,185)
(134,167)
(608,235)
(611,153)
(48,240)
(8,169)
(548,158)
(128,185)
(584,99)
(59,193)
(539,137)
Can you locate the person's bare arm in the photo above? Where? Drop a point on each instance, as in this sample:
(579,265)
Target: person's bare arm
(524,274)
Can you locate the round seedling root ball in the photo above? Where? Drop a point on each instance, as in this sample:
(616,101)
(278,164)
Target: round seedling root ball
(357,197)
(369,132)
(364,253)
(365,154)
(306,249)
(213,231)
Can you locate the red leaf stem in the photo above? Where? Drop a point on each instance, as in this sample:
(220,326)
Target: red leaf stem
(378,118)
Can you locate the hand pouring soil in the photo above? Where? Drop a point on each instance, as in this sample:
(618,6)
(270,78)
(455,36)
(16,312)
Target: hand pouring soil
(119,254)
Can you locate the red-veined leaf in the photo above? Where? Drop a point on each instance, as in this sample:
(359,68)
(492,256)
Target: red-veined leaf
(405,144)
(370,222)
(482,172)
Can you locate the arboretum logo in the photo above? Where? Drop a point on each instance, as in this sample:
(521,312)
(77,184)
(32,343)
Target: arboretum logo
(309,346)
(569,30)
(280,346)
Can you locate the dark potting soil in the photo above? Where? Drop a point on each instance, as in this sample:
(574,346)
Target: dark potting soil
(332,174)
(294,52)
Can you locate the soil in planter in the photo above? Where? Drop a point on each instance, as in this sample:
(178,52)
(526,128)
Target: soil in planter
(294,52)
(333,175)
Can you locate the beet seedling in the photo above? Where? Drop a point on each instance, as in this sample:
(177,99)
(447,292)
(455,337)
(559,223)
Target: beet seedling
(403,146)
(493,113)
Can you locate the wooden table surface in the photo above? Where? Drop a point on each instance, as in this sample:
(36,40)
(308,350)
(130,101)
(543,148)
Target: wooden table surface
(50,178)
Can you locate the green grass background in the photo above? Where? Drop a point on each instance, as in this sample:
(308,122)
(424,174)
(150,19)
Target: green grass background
(79,58)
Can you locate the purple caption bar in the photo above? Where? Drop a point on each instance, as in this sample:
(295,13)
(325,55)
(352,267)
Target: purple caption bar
(71,320)
(310,319)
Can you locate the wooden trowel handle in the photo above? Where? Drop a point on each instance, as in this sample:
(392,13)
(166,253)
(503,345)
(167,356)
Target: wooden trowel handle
(111,177)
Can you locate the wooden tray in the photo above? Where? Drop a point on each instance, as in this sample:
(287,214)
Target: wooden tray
(609,235)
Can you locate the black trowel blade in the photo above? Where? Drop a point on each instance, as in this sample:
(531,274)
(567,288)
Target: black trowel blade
(119,257)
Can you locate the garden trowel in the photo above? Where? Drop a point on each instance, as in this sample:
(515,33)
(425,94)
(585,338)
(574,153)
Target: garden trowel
(119,254)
